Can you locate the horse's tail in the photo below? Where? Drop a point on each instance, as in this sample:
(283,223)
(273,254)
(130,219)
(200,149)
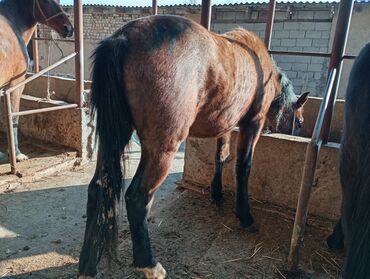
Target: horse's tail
(114,128)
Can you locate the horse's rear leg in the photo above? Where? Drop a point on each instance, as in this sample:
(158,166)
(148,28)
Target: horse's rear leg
(247,139)
(222,153)
(153,168)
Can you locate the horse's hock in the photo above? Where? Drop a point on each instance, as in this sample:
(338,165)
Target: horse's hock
(277,166)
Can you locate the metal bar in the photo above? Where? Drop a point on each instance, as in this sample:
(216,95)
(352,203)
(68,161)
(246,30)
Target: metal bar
(338,50)
(34,111)
(40,73)
(35,50)
(79,59)
(270,23)
(348,56)
(10,133)
(312,54)
(49,39)
(205,18)
(312,151)
(154,7)
(298,53)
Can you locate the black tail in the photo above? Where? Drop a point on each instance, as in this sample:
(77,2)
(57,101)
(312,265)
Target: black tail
(114,129)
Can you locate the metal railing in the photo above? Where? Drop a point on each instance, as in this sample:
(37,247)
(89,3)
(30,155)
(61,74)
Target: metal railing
(10,114)
(79,75)
(312,151)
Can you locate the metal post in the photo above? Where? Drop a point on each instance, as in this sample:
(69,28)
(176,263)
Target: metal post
(312,152)
(10,133)
(270,23)
(35,51)
(154,7)
(338,50)
(79,59)
(205,18)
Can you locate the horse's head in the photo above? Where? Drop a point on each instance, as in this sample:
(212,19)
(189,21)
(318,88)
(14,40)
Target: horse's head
(50,13)
(286,111)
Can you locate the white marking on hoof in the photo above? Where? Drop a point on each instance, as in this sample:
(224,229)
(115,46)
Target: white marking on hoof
(85,277)
(21,157)
(158,272)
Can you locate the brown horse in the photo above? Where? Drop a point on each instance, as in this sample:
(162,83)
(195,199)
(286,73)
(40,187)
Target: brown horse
(169,78)
(18,20)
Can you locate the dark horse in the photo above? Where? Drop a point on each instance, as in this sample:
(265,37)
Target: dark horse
(168,78)
(18,20)
(354,227)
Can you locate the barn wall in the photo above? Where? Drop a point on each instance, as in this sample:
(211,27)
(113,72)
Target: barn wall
(298,27)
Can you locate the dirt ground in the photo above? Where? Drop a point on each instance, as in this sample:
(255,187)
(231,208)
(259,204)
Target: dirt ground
(42,225)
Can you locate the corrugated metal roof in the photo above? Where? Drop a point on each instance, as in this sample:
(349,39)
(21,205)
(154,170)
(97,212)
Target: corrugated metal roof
(224,5)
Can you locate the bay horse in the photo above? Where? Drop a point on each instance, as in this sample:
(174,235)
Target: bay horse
(18,19)
(168,78)
(353,230)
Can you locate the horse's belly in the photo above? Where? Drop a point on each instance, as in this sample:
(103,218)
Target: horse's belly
(207,127)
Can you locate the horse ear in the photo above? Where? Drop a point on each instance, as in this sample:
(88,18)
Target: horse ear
(301,100)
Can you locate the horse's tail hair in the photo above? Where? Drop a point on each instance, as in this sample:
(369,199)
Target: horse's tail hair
(114,127)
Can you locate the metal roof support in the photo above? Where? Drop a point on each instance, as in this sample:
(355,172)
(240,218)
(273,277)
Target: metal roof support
(336,59)
(79,49)
(321,131)
(205,18)
(270,23)
(154,7)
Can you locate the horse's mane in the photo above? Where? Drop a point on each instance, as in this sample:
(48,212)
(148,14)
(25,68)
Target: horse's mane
(287,96)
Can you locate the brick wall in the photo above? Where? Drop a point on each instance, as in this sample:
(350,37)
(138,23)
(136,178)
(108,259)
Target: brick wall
(297,27)
(101,21)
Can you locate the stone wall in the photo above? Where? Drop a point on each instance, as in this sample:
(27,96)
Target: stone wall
(297,27)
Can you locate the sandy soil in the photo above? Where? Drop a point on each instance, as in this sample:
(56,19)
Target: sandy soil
(42,225)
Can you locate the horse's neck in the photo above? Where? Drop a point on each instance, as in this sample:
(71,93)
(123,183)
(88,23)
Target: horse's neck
(20,17)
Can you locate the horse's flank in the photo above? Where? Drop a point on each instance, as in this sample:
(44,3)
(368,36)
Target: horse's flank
(187,59)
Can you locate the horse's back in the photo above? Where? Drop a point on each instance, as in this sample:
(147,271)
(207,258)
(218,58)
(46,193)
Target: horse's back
(355,169)
(197,82)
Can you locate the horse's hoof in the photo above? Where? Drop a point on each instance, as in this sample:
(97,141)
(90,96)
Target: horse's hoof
(253,228)
(85,277)
(21,157)
(157,272)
